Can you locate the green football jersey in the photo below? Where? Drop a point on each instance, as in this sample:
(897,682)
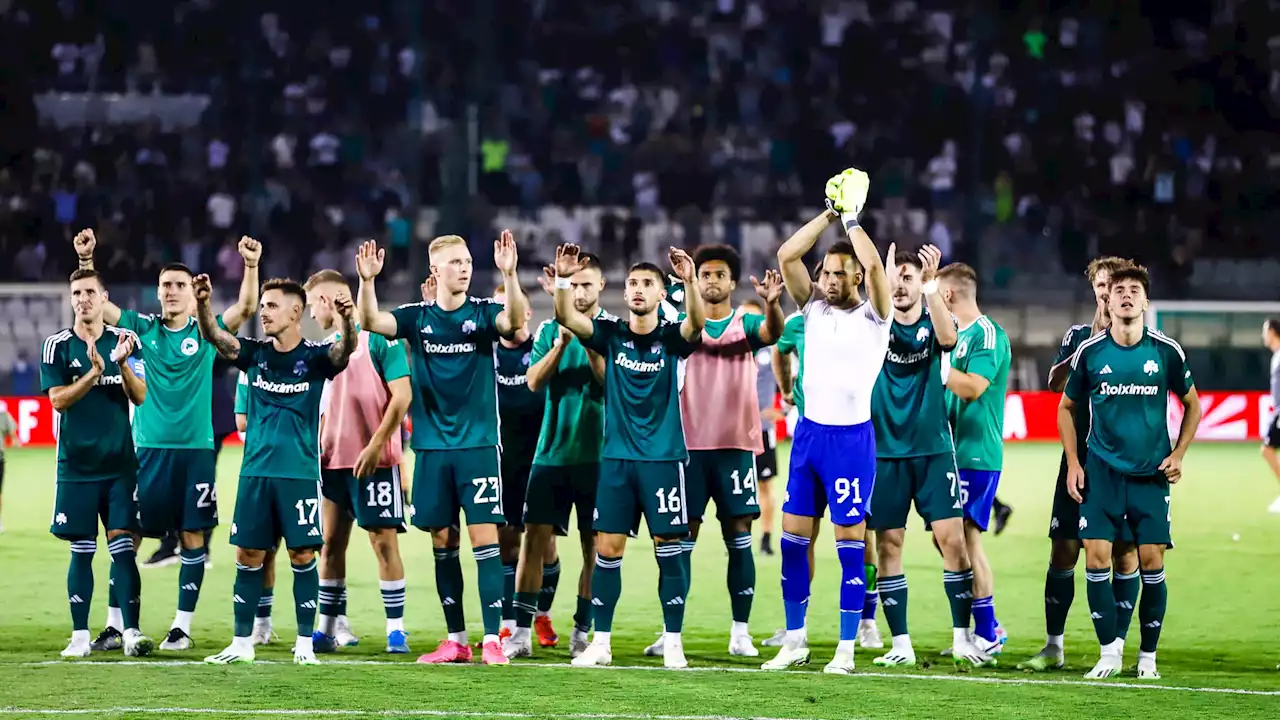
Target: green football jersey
(283,403)
(241,406)
(1127,392)
(178,412)
(519,408)
(792,341)
(456,402)
(673,306)
(642,394)
(908,404)
(573,423)
(978,426)
(751,324)
(1076,335)
(94,439)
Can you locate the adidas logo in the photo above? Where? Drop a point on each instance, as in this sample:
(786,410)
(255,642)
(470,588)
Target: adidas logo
(675,601)
(964,596)
(852,513)
(1152,624)
(748,591)
(237,598)
(309,605)
(448,601)
(497,510)
(315,532)
(495,604)
(76,363)
(191,587)
(75,600)
(385,514)
(427,330)
(1095,616)
(1049,600)
(596,602)
(1124,605)
(1106,370)
(853,581)
(888,602)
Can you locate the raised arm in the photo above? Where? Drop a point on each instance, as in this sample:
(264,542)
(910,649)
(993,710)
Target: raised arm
(349,336)
(944,326)
(369,260)
(567,264)
(512,317)
(84,243)
(795,276)
(135,388)
(847,194)
(247,303)
(695,312)
(770,292)
(224,342)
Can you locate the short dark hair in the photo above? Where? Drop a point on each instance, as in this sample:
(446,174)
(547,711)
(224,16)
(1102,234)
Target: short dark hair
(86,274)
(723,253)
(176,267)
(843,247)
(1106,263)
(907,257)
(590,261)
(288,286)
(1132,272)
(648,267)
(1273,324)
(324,276)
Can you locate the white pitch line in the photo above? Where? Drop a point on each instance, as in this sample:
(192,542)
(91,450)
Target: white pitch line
(364,713)
(990,680)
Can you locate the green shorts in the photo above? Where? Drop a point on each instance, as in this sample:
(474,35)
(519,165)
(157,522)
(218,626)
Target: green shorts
(629,489)
(374,502)
(1115,501)
(1064,524)
(448,481)
(268,509)
(930,481)
(726,476)
(555,491)
(176,490)
(78,506)
(516,463)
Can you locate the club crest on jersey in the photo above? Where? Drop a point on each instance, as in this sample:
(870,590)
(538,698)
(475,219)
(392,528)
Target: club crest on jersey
(922,334)
(300,368)
(468,327)
(1151,367)
(526,359)
(962,348)
(655,348)
(189,346)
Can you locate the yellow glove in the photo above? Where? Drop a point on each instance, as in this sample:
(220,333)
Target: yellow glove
(847,192)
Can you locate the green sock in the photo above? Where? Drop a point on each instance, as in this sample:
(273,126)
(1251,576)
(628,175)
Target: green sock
(550,581)
(582,615)
(606,588)
(306,589)
(80,582)
(449,588)
(246,592)
(741,576)
(1059,592)
(1155,598)
(673,568)
(1126,588)
(508,590)
(1102,603)
(265,602)
(959,587)
(893,600)
(526,604)
(125,561)
(190,578)
(489,579)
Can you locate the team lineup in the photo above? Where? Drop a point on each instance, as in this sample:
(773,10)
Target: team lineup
(897,376)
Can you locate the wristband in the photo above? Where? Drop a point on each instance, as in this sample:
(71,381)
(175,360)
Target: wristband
(850,221)
(930,287)
(562,283)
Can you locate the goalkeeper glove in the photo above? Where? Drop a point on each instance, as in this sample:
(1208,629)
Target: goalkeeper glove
(847,192)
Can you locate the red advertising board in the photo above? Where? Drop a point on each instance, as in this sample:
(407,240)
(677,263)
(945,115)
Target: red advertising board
(1027,416)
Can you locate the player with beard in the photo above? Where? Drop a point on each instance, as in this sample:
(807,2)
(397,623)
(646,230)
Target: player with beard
(644,454)
(721,416)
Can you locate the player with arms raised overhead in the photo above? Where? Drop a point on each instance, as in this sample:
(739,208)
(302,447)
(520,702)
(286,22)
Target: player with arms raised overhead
(360,466)
(916,459)
(977,380)
(1125,374)
(721,418)
(173,432)
(455,422)
(566,464)
(642,462)
(84,372)
(833,453)
(1064,533)
(279,492)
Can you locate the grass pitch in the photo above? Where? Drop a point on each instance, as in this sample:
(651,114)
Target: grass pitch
(1218,653)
